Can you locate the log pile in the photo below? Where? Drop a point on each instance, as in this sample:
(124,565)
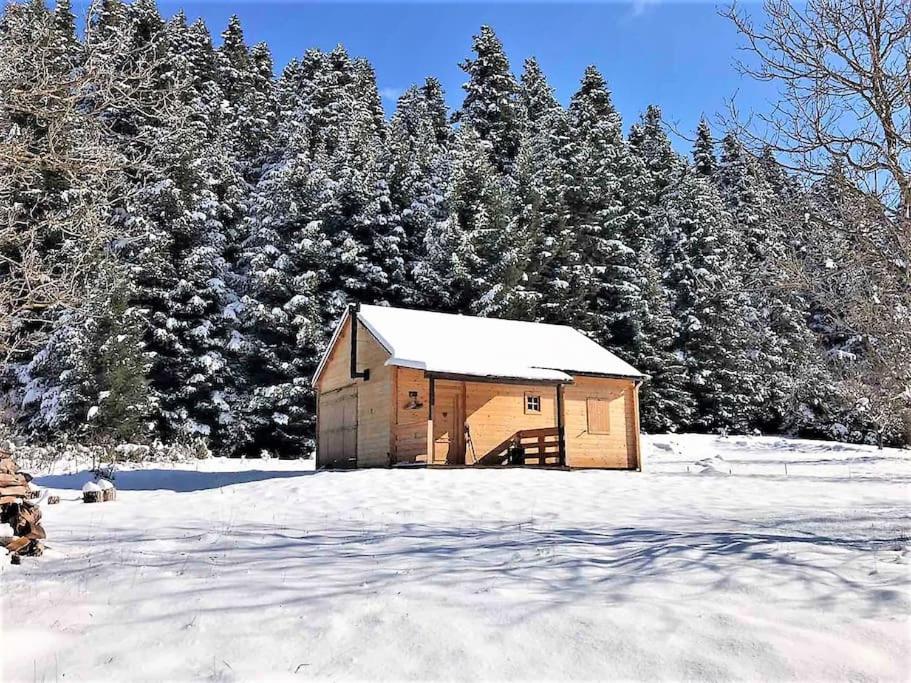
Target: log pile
(19,510)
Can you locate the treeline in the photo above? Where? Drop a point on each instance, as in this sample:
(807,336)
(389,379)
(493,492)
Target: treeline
(250,208)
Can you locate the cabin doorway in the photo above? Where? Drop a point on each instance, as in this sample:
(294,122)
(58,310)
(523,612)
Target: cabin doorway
(449,424)
(338,428)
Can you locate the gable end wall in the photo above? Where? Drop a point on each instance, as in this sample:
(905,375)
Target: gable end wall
(373,395)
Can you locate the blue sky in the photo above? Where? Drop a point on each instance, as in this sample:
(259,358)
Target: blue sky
(677,55)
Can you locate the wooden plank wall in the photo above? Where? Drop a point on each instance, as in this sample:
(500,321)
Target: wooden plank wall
(497,411)
(618,448)
(410,424)
(374,409)
(494,412)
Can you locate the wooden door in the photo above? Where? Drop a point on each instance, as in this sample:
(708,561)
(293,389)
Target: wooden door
(448,425)
(338,428)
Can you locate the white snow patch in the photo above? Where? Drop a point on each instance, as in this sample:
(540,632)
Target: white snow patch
(265,570)
(486,347)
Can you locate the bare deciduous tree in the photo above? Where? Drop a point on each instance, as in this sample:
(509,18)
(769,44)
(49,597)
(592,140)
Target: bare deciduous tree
(61,171)
(843,68)
(844,71)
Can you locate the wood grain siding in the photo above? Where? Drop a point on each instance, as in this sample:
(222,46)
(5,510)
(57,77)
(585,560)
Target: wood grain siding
(410,423)
(337,430)
(619,447)
(494,412)
(374,416)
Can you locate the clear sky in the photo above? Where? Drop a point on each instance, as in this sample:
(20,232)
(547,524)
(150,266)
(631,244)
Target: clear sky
(677,55)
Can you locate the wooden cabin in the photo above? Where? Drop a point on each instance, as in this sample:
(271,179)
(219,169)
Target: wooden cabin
(399,386)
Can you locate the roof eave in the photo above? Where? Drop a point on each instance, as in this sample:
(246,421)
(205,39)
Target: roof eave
(496,379)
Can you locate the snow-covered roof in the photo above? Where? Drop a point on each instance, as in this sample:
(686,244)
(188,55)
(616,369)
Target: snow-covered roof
(484,347)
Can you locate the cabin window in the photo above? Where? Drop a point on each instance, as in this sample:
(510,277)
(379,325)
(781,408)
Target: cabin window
(532,403)
(598,410)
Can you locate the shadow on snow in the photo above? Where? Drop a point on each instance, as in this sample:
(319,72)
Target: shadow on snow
(179,481)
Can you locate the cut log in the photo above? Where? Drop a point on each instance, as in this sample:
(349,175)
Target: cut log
(23,516)
(91,496)
(12,480)
(53,500)
(108,495)
(18,544)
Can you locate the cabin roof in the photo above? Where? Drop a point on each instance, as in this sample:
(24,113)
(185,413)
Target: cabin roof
(448,344)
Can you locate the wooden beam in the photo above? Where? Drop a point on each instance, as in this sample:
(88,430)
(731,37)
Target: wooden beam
(457,377)
(431,398)
(561,429)
(607,375)
(317,449)
(636,437)
(393,414)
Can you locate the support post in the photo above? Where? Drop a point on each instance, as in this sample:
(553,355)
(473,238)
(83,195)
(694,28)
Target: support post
(561,430)
(430,401)
(636,438)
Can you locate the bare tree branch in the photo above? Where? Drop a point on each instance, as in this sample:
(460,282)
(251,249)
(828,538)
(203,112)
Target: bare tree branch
(844,71)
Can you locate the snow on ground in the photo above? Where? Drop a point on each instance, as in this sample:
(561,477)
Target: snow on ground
(711,565)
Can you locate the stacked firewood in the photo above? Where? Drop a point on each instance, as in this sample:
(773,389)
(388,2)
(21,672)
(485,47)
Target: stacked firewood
(19,509)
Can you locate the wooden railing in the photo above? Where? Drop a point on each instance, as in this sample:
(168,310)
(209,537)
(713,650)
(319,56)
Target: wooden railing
(539,447)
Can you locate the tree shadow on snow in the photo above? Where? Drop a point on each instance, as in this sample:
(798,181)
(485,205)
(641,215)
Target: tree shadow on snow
(179,481)
(536,569)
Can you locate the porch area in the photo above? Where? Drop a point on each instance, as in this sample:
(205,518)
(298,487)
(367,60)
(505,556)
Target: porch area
(468,422)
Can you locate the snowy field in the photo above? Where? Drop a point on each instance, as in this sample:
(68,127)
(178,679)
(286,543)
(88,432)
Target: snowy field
(715,564)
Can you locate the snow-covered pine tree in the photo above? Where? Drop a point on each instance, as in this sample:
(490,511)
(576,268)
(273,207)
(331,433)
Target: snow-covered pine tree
(545,240)
(435,99)
(90,378)
(248,106)
(472,255)
(204,179)
(705,282)
(704,157)
(809,382)
(54,176)
(415,165)
(603,173)
(171,218)
(287,288)
(665,402)
(492,106)
(319,232)
(781,344)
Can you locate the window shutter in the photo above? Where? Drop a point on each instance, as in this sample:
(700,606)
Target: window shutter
(598,415)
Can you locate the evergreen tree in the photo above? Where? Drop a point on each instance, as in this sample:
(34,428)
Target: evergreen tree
(249,108)
(704,150)
(434,96)
(650,143)
(492,107)
(714,338)
(416,174)
(281,329)
(474,252)
(665,403)
(783,347)
(548,245)
(602,171)
(246,211)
